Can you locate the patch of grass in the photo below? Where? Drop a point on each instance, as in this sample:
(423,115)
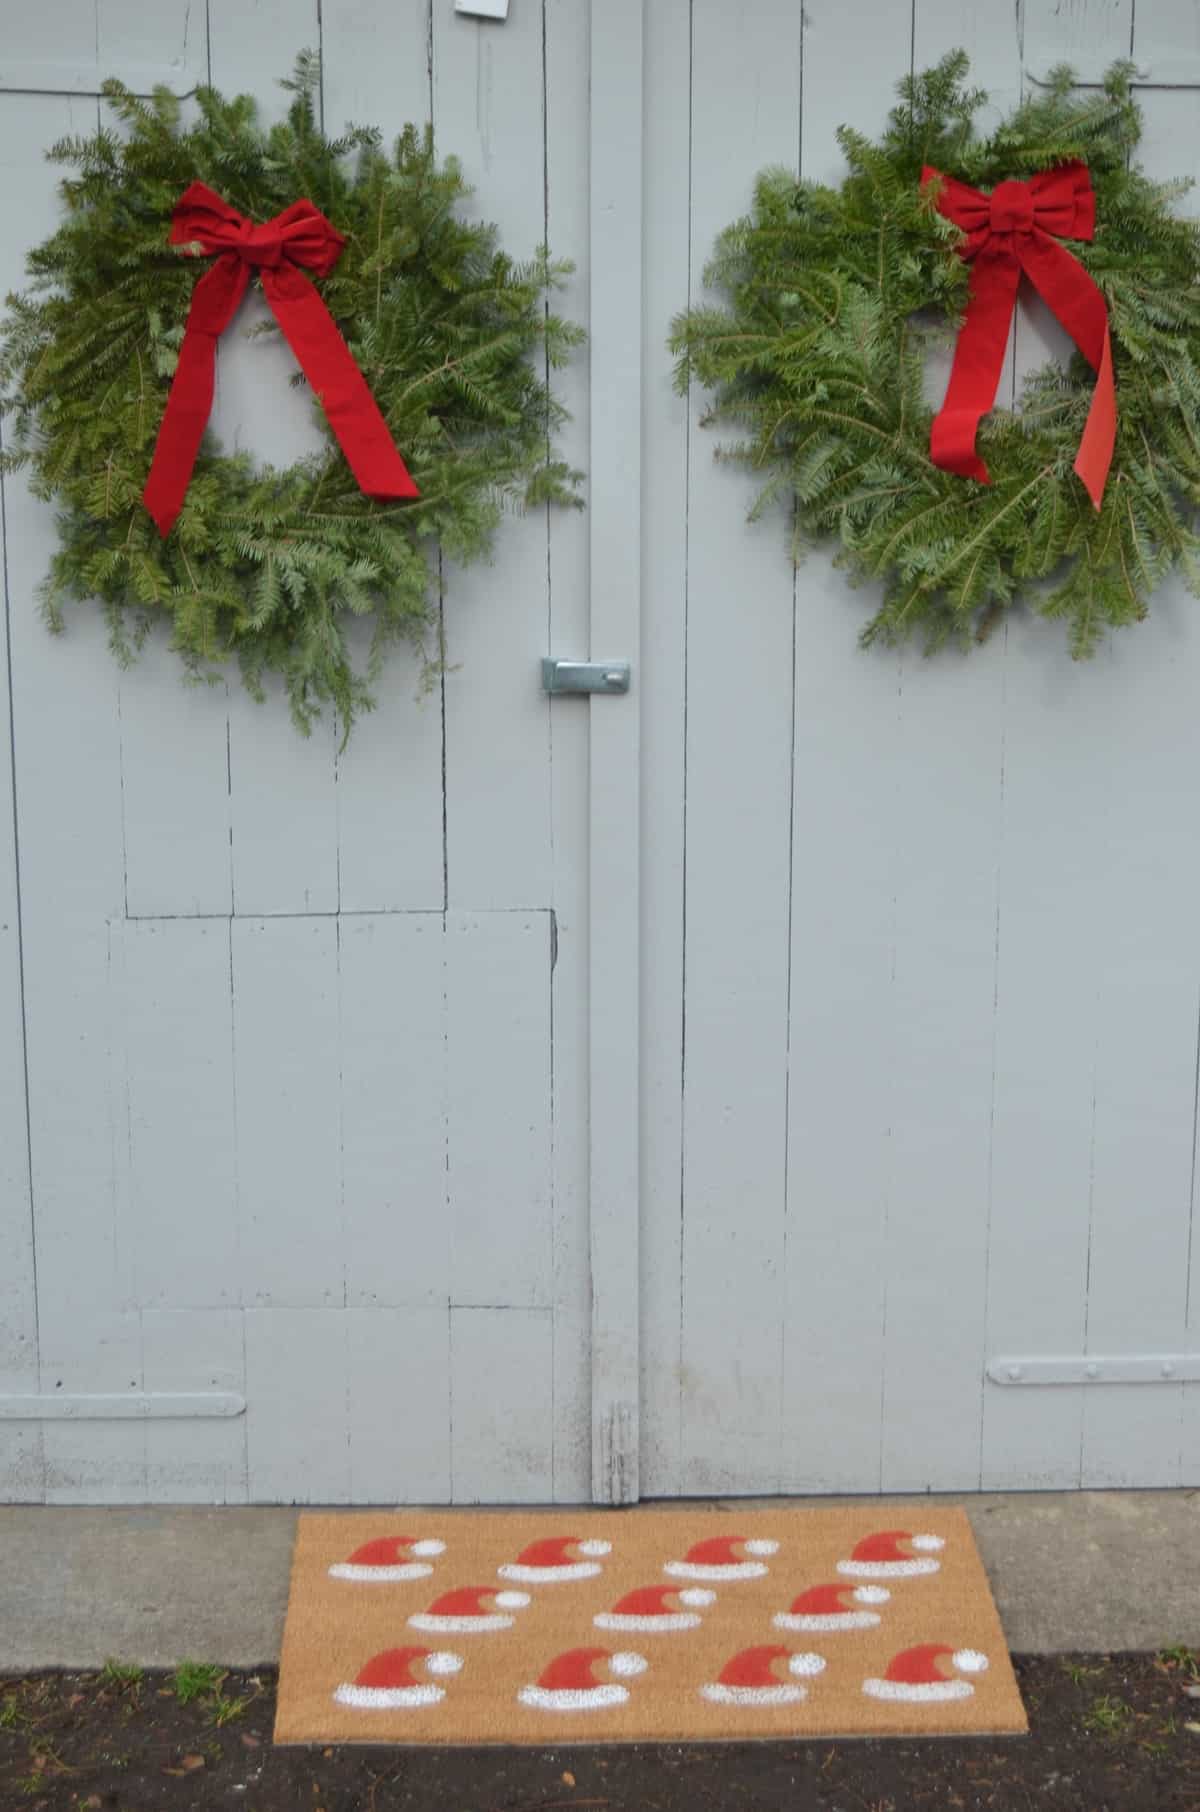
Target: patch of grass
(1108,1716)
(10,1712)
(121,1675)
(196,1680)
(1078,1671)
(1181,1660)
(227,1711)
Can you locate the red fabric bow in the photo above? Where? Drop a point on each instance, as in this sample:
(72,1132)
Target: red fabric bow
(1015,229)
(300,236)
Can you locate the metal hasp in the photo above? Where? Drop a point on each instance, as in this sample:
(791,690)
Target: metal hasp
(1129,1368)
(584,676)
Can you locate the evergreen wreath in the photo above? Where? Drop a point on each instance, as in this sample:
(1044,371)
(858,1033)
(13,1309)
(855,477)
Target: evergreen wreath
(817,359)
(455,340)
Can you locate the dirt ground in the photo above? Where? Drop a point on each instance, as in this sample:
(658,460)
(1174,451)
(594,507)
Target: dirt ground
(1110,1733)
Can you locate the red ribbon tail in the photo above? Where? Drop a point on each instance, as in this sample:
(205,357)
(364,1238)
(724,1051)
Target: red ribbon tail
(181,429)
(330,367)
(978,362)
(214,301)
(1099,435)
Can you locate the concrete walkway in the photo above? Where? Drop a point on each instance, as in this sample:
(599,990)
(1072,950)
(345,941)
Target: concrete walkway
(1089,1570)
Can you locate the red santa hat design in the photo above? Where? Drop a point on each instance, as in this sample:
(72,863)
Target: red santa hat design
(469,1609)
(656,1607)
(389,1557)
(833,1607)
(722,1557)
(893,1554)
(752,1677)
(544,1562)
(915,1675)
(389,1680)
(570,1682)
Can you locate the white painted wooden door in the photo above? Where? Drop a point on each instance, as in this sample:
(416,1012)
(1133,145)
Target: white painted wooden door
(921,970)
(307,1042)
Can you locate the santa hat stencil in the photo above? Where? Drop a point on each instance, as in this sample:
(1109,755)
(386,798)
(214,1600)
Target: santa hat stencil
(570,1682)
(915,1675)
(389,1680)
(546,1562)
(469,1610)
(833,1607)
(722,1557)
(389,1557)
(893,1554)
(751,1678)
(656,1607)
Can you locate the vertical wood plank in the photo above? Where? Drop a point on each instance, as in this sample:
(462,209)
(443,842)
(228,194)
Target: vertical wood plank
(55,50)
(202,1460)
(375,63)
(298,1410)
(283,791)
(1088,34)
(68,801)
(1052,944)
(175,812)
(398,1405)
(91,1347)
(375,71)
(1146,1067)
(181,1126)
(489,111)
(20,1445)
(498,1167)
(567,232)
(286,1070)
(1166,47)
(1167,34)
(145,46)
(392,1006)
(663,688)
(501,1405)
(1050,952)
(745,72)
(615,591)
(946,824)
(843,1025)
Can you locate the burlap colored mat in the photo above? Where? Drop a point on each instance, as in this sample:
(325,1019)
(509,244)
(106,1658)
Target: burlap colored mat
(446,1626)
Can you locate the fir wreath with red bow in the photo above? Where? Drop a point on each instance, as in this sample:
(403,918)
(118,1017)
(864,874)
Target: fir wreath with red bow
(424,347)
(1077,502)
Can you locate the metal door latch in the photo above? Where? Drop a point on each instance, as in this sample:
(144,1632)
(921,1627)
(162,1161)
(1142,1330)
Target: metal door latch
(584,676)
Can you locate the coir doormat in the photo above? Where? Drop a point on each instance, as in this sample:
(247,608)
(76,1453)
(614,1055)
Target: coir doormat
(445,1626)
